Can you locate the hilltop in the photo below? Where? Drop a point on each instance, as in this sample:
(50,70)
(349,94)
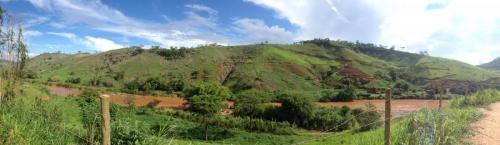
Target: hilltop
(493,65)
(306,66)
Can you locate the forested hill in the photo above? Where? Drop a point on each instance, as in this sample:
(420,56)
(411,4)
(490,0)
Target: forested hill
(305,66)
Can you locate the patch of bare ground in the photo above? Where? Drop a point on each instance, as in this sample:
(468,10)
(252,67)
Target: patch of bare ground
(487,130)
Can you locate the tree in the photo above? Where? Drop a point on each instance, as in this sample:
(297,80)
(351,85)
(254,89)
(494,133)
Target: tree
(206,89)
(14,51)
(207,100)
(250,103)
(347,94)
(297,108)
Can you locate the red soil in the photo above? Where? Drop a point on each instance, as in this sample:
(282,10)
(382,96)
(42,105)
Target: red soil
(63,91)
(45,98)
(486,130)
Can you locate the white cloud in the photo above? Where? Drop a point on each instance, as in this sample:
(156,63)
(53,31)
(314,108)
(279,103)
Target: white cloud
(257,31)
(32,33)
(57,25)
(95,43)
(101,44)
(352,20)
(459,29)
(67,35)
(197,28)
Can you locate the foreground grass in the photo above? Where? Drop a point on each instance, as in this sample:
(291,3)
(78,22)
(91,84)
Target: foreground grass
(447,126)
(30,120)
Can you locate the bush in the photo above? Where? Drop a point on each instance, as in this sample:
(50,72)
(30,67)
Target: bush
(176,85)
(172,53)
(247,123)
(125,133)
(53,79)
(347,94)
(206,89)
(481,98)
(132,86)
(30,75)
(73,80)
(251,103)
(297,108)
(327,95)
(367,119)
(332,119)
(119,76)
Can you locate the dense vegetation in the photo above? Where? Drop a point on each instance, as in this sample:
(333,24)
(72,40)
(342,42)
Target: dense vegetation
(308,66)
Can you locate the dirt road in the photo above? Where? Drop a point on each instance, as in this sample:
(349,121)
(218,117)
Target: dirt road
(487,130)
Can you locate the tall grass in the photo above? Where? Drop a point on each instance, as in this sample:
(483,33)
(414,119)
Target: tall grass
(28,120)
(446,126)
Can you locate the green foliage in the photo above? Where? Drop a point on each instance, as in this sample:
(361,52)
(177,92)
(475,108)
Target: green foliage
(153,84)
(247,123)
(200,88)
(125,133)
(206,104)
(297,108)
(119,76)
(332,119)
(30,75)
(328,95)
(349,93)
(437,127)
(73,80)
(29,120)
(481,98)
(172,53)
(367,119)
(251,103)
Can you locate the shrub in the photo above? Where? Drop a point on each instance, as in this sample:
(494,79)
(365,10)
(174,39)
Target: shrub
(30,75)
(132,86)
(206,89)
(347,94)
(119,76)
(172,53)
(332,119)
(127,134)
(367,119)
(73,80)
(250,103)
(53,79)
(327,95)
(297,108)
(176,85)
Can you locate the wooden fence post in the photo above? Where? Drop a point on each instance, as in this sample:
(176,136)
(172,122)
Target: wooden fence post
(440,93)
(105,125)
(387,125)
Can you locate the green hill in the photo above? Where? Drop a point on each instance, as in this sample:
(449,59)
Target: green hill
(307,66)
(492,65)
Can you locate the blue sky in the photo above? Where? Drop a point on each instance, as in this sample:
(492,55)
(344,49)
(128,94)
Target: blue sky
(458,29)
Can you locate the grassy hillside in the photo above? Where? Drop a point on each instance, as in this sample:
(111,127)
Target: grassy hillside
(307,66)
(493,65)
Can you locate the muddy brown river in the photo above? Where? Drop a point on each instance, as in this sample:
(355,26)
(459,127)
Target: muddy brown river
(400,107)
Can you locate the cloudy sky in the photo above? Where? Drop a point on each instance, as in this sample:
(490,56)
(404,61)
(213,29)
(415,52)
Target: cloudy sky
(465,30)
